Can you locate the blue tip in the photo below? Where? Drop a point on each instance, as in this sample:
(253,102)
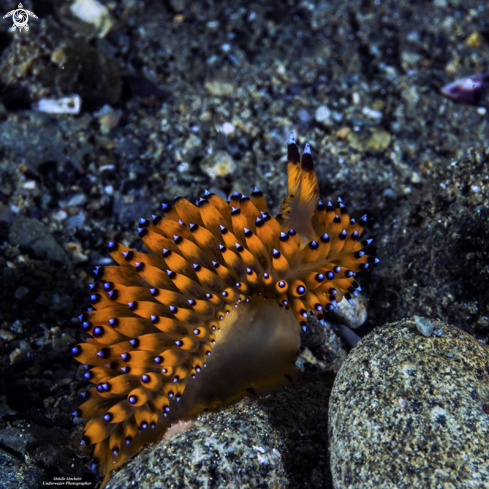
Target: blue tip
(307,149)
(291,138)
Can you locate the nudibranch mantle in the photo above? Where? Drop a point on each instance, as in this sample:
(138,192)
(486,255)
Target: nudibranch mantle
(213,311)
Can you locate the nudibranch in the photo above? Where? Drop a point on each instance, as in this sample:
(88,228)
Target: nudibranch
(214,311)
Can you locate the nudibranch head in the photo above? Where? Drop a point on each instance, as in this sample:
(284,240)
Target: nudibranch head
(221,278)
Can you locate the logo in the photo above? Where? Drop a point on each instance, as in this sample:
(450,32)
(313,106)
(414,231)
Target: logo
(20,17)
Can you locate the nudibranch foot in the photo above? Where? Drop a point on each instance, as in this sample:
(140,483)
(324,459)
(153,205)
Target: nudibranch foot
(214,310)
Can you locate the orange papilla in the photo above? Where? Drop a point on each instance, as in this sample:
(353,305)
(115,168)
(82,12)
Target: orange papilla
(201,318)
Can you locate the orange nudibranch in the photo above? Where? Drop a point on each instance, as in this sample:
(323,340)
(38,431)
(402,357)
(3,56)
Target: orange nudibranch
(213,311)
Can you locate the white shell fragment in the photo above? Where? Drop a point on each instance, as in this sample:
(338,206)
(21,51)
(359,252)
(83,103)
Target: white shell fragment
(93,12)
(65,105)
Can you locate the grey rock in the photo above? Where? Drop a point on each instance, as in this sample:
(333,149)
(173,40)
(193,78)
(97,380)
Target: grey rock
(404,413)
(21,292)
(131,210)
(62,302)
(33,236)
(15,473)
(425,326)
(53,446)
(275,441)
(35,138)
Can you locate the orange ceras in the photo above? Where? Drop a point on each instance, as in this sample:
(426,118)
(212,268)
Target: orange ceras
(225,278)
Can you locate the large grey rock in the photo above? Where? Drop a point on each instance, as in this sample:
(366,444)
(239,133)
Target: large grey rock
(407,411)
(15,473)
(32,235)
(275,441)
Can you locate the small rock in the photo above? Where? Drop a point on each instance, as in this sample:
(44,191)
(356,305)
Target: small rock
(17,327)
(304,115)
(192,143)
(255,444)
(218,164)
(33,236)
(63,105)
(399,401)
(16,469)
(42,300)
(74,200)
(76,221)
(21,352)
(323,115)
(7,335)
(354,315)
(127,212)
(376,140)
(21,292)
(88,17)
(220,87)
(425,326)
(178,5)
(62,302)
(108,118)
(7,216)
(63,343)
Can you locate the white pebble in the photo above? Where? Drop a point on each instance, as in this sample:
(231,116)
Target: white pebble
(323,115)
(227,128)
(29,185)
(94,13)
(373,114)
(64,105)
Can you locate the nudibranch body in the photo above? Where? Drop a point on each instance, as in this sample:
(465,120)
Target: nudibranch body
(222,278)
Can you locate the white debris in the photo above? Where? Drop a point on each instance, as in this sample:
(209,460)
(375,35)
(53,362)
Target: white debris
(65,105)
(29,185)
(93,12)
(227,128)
(259,449)
(373,114)
(323,115)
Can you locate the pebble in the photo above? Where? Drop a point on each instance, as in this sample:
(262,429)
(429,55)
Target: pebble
(74,200)
(33,236)
(404,413)
(218,164)
(6,214)
(61,302)
(127,212)
(65,105)
(323,115)
(108,118)
(75,221)
(88,17)
(304,115)
(354,315)
(7,335)
(21,292)
(376,140)
(17,327)
(275,441)
(63,343)
(21,352)
(425,326)
(220,87)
